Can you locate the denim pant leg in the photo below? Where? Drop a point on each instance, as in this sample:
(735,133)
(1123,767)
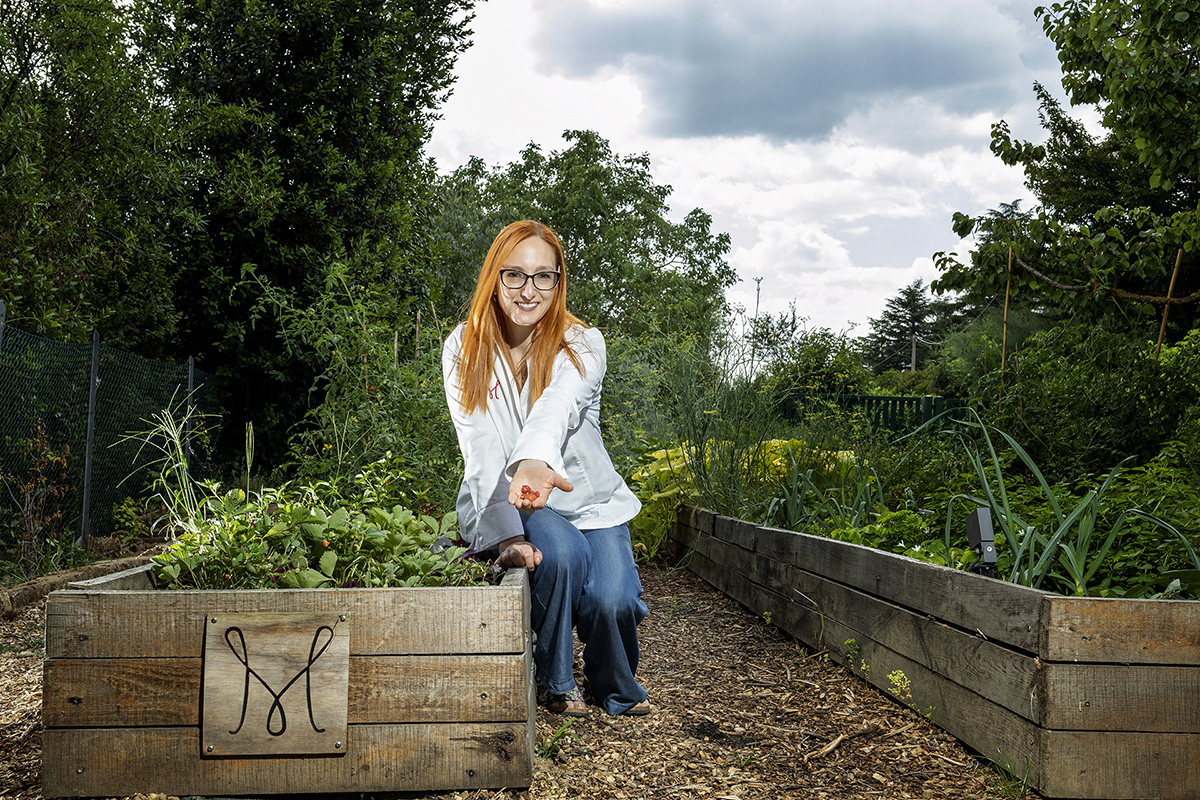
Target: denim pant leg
(610,609)
(588,581)
(556,585)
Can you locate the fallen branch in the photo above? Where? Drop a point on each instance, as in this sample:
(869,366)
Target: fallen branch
(827,749)
(842,737)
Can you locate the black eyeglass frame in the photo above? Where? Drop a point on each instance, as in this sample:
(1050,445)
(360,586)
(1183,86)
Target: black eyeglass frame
(526,277)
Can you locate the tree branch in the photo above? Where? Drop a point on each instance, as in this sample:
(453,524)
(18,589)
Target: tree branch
(1115,292)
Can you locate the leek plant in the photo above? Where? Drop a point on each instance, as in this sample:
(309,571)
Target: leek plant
(1072,547)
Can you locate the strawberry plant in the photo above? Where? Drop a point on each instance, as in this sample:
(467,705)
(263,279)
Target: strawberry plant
(273,541)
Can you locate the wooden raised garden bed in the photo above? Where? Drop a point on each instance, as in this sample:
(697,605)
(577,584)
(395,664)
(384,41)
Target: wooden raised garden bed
(1091,698)
(286,691)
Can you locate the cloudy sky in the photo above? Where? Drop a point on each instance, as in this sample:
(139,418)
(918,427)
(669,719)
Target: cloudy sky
(832,140)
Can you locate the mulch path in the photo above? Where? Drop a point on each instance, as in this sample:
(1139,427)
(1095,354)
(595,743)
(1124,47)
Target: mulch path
(742,712)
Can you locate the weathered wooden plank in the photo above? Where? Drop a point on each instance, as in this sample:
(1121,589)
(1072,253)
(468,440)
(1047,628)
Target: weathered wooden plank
(1107,697)
(1004,676)
(132,578)
(1001,611)
(275,684)
(1121,766)
(698,519)
(477,688)
(126,692)
(520,580)
(120,762)
(515,578)
(1117,631)
(132,692)
(985,726)
(89,624)
(680,541)
(734,584)
(735,531)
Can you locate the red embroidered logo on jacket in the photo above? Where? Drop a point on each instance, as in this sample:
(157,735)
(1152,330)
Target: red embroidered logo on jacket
(494,392)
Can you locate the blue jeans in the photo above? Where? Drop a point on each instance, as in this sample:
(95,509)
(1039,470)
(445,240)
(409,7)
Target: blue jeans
(587,580)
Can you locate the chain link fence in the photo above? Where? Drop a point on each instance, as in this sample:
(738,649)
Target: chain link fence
(65,412)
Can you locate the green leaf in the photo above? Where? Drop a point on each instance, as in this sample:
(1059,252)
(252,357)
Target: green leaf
(329,562)
(311,579)
(339,519)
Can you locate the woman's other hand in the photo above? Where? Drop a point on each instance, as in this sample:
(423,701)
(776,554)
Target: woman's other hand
(517,552)
(532,483)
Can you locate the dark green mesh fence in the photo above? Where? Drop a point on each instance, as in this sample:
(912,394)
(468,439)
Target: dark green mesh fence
(44,399)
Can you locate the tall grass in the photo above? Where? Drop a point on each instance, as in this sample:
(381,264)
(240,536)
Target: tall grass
(723,419)
(170,434)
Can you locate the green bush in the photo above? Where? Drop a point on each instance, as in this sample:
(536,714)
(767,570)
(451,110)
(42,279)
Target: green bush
(1082,537)
(1080,399)
(661,480)
(906,533)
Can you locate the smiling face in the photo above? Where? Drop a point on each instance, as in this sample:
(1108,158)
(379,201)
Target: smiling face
(522,309)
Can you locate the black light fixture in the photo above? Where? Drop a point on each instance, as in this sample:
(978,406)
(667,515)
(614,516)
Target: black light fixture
(983,541)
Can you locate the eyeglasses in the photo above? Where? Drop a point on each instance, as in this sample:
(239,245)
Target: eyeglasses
(515,279)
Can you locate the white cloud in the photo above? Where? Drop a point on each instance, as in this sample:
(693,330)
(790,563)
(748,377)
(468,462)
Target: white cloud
(837,221)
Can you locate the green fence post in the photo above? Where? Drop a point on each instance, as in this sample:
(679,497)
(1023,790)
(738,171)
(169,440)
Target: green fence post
(85,522)
(187,418)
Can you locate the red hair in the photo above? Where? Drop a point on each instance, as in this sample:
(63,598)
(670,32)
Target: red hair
(484,334)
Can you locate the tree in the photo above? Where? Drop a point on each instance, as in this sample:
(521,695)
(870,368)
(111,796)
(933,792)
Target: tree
(88,166)
(632,270)
(1075,174)
(1103,243)
(306,119)
(1137,62)
(903,326)
(796,359)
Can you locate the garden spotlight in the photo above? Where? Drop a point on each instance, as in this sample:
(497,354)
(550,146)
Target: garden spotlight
(982,541)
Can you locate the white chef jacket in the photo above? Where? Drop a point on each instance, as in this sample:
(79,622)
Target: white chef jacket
(562,429)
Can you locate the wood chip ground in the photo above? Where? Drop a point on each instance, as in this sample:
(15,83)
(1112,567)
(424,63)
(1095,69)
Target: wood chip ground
(742,712)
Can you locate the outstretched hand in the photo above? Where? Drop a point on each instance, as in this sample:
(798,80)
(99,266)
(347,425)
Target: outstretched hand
(531,485)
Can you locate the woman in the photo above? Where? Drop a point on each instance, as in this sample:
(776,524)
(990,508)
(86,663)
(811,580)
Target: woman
(522,378)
